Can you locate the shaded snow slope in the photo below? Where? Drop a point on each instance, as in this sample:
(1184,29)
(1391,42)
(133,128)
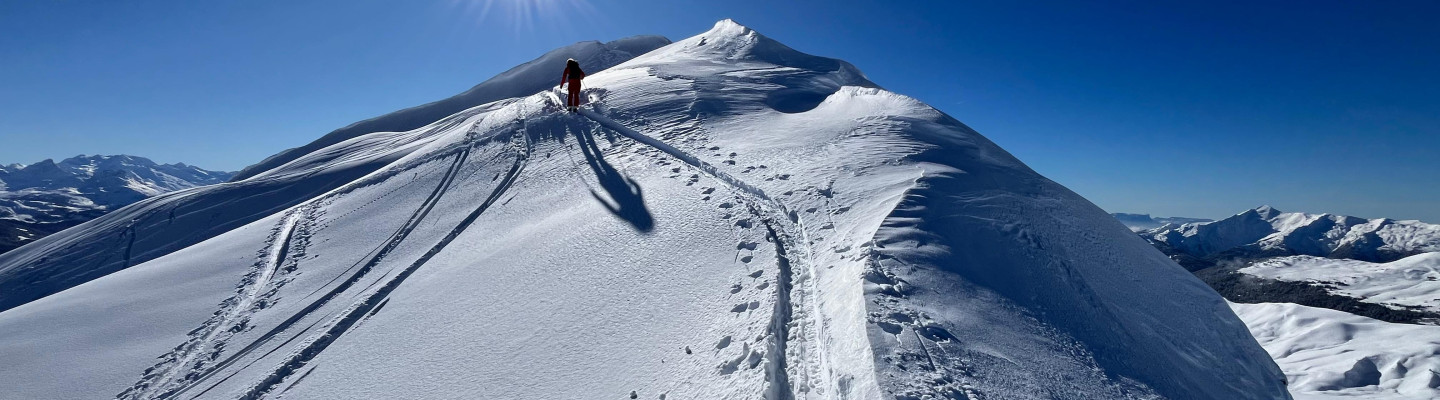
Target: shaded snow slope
(1328,354)
(523,80)
(1266,232)
(1409,283)
(730,218)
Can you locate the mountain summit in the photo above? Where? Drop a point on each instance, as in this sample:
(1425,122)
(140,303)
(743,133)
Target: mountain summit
(726,217)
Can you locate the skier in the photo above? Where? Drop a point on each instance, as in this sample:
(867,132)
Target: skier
(572,74)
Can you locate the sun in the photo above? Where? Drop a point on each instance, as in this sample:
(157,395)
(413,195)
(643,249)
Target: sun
(526,15)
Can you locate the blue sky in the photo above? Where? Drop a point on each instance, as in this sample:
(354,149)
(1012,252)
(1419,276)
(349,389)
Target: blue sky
(1200,109)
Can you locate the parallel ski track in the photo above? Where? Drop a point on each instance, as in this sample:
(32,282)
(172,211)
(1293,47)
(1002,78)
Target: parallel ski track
(368,264)
(279,250)
(777,370)
(357,311)
(378,254)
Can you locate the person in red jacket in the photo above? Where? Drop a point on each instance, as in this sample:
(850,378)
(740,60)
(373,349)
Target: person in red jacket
(573,75)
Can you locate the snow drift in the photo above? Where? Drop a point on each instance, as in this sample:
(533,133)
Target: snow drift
(1332,354)
(730,218)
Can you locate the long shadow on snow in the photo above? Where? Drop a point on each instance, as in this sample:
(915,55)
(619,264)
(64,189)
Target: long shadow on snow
(627,200)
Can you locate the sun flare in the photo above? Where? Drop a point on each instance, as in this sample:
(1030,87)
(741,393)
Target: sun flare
(526,15)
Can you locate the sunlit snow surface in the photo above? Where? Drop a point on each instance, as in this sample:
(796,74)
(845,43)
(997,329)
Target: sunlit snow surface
(1328,354)
(802,234)
(1411,282)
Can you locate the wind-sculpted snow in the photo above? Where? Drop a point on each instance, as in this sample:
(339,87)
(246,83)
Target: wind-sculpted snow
(1328,354)
(727,218)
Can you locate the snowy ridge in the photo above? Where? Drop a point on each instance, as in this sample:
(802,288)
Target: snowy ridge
(1266,232)
(520,81)
(730,219)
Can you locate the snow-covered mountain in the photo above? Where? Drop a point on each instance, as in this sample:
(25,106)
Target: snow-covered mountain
(293,176)
(1267,256)
(1411,283)
(1141,222)
(1339,326)
(46,197)
(1266,232)
(728,218)
(523,80)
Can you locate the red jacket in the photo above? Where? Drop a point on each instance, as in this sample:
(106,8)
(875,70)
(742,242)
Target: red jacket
(572,74)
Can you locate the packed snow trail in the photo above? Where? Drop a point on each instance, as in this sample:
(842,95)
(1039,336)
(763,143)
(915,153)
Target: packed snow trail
(778,370)
(780,386)
(680,154)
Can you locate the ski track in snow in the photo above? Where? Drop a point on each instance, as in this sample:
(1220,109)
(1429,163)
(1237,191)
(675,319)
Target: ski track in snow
(379,255)
(199,373)
(772,213)
(778,371)
(1022,269)
(232,317)
(395,239)
(356,312)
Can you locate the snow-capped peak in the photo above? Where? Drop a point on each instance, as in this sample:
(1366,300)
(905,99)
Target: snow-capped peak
(726,217)
(1265,232)
(1266,211)
(522,80)
(49,191)
(728,27)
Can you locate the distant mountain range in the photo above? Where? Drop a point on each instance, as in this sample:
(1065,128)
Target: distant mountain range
(1140,222)
(1333,298)
(1265,232)
(46,197)
(1379,268)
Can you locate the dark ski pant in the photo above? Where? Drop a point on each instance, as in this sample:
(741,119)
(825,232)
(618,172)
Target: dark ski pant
(574,100)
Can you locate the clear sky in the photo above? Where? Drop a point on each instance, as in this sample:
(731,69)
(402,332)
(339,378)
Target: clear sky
(1196,109)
